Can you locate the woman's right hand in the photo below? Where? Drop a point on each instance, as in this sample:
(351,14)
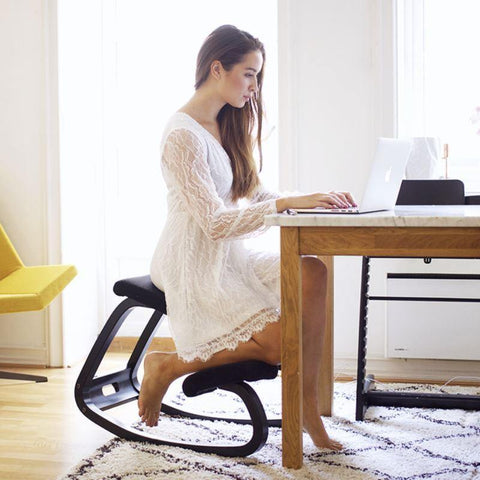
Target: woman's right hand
(325,200)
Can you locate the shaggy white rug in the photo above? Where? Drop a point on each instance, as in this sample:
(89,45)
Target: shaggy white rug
(392,444)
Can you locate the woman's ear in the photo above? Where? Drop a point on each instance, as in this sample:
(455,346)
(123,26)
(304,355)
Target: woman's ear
(216,69)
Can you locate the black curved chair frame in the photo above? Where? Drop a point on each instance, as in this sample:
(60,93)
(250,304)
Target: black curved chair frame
(93,402)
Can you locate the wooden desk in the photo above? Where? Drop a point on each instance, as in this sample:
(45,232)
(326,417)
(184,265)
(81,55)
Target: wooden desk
(409,232)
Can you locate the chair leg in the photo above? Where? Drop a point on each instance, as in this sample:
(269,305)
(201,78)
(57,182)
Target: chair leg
(23,376)
(362,384)
(89,388)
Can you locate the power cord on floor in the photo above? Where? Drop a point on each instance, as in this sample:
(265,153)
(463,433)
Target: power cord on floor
(374,380)
(462,377)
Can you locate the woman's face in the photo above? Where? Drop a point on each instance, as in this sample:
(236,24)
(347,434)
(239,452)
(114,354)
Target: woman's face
(238,85)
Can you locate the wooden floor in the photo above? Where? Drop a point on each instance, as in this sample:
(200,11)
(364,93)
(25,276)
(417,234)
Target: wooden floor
(42,432)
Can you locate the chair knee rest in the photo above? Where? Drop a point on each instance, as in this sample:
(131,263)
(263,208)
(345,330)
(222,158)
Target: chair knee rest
(142,290)
(210,379)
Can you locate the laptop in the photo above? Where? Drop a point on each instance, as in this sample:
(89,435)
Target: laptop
(386,175)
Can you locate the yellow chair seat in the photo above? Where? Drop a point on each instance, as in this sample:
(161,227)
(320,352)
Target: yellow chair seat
(33,288)
(23,289)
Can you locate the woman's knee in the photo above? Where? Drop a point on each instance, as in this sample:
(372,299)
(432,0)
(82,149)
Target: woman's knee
(273,354)
(269,342)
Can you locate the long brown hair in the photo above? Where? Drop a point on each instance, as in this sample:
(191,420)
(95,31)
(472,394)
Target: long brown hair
(229,45)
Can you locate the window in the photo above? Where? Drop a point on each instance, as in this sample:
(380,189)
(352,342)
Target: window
(439,78)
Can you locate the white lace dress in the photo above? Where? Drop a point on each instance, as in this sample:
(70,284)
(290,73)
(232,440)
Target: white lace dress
(218,292)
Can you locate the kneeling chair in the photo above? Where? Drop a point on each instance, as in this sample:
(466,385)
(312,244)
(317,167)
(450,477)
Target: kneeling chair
(90,389)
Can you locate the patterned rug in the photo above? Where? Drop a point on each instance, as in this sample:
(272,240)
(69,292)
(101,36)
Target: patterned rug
(392,444)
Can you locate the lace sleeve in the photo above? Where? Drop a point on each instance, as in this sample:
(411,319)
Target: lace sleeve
(262,195)
(185,161)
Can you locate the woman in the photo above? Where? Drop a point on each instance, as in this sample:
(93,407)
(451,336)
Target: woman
(223,301)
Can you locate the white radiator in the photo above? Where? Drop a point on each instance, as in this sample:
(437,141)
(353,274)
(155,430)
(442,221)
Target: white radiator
(433,329)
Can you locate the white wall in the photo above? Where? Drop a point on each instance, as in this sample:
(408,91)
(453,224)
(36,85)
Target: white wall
(23,158)
(336,53)
(337,68)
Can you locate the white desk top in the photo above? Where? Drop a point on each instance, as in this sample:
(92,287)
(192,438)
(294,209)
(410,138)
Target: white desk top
(411,216)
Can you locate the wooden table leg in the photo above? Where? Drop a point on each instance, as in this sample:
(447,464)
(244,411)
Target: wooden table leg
(291,321)
(325,383)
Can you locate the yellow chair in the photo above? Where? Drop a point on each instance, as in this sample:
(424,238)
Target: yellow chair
(23,289)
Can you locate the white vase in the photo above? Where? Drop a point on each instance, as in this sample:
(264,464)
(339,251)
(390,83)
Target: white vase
(424,160)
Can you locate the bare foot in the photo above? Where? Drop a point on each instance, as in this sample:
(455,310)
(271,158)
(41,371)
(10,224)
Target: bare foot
(315,428)
(158,375)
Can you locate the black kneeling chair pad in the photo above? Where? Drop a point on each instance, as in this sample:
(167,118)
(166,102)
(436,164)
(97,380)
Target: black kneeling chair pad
(143,290)
(208,380)
(90,388)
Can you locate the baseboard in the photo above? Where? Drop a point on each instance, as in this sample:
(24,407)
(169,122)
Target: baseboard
(22,365)
(31,356)
(412,370)
(127,344)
